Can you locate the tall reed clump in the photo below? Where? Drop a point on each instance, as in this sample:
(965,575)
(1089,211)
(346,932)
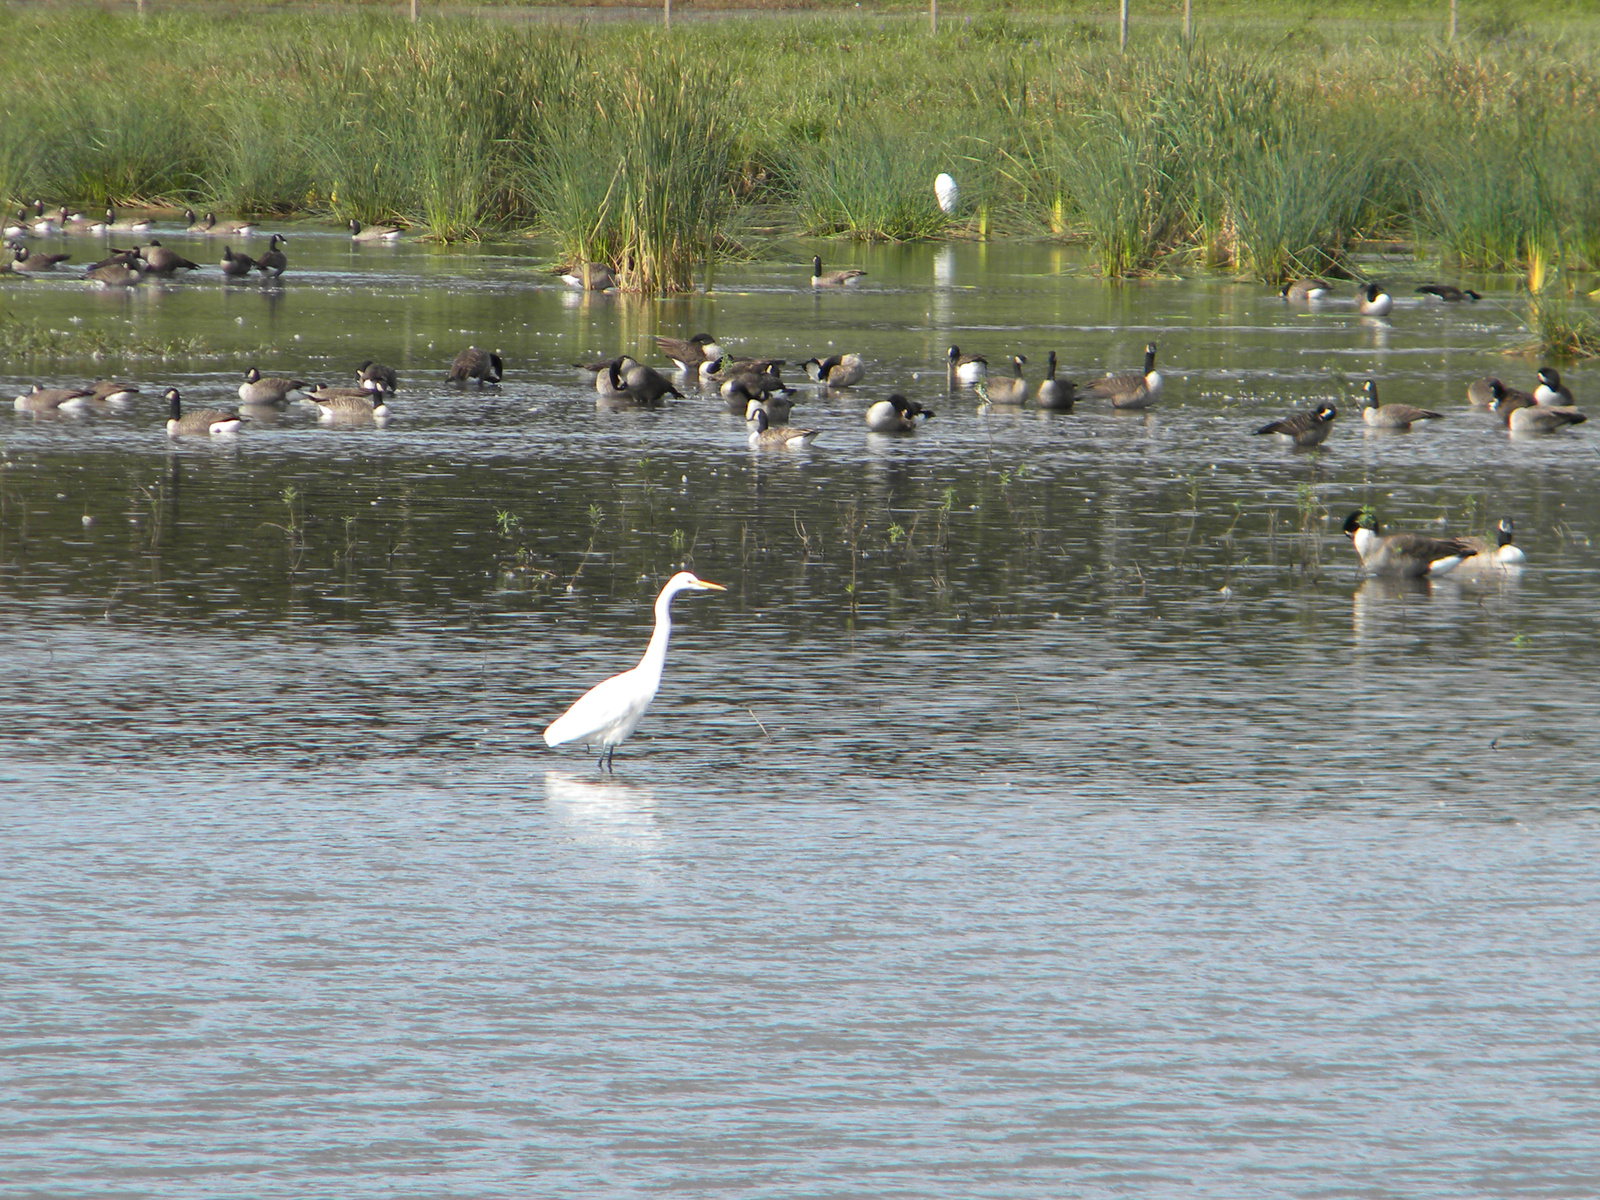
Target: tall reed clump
(637,177)
(869,181)
(1117,169)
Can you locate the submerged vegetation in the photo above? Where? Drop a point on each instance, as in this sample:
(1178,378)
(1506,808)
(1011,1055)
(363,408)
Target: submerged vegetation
(1263,155)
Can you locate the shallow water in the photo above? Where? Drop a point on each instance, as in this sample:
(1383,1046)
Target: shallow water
(1045,809)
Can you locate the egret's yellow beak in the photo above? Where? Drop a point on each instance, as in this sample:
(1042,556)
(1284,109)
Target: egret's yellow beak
(710,587)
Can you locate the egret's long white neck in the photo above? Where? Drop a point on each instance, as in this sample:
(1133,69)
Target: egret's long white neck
(655,654)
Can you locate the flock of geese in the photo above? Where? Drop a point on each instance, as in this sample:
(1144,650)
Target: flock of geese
(755,389)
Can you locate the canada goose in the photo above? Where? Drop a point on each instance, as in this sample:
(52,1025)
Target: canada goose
(1373,301)
(473,363)
(133,224)
(1130,389)
(1551,390)
(274,262)
(646,384)
(72,222)
(1309,428)
(837,371)
(766,436)
(236,266)
(43,226)
(1008,391)
(748,377)
(697,356)
(600,278)
(965,368)
(1310,288)
(113,274)
(272,389)
(1054,394)
(1502,555)
(1390,416)
(1531,418)
(43,399)
(25,260)
(896,415)
(373,233)
(606,383)
(198,420)
(775,406)
(210,225)
(1448,292)
(1481,391)
(133,257)
(847,277)
(343,406)
(161,261)
(322,393)
(1407,554)
(17,226)
(376,377)
(111,391)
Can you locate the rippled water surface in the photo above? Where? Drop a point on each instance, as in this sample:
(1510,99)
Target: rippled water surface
(1046,809)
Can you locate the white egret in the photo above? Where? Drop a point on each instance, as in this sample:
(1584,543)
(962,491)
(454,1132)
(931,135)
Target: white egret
(609,711)
(946,192)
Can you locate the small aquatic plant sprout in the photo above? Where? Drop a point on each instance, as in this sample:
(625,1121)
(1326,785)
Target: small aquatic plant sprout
(608,713)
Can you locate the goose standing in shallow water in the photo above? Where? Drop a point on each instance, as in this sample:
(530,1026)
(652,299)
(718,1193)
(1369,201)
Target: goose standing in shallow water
(1003,390)
(1130,389)
(1520,414)
(274,262)
(1390,416)
(197,420)
(836,371)
(1373,301)
(1551,390)
(1309,428)
(607,713)
(965,368)
(698,355)
(1410,555)
(473,363)
(1055,395)
(846,277)
(896,415)
(236,266)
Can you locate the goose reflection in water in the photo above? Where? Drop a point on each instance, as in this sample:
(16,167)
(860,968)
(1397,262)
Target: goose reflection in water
(602,812)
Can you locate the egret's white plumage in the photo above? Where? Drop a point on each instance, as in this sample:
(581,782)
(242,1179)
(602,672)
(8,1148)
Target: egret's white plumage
(946,192)
(608,712)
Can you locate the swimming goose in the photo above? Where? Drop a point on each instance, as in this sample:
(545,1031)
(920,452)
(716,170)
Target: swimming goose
(338,404)
(114,274)
(1373,301)
(274,262)
(837,371)
(846,277)
(72,222)
(375,377)
(273,389)
(1551,390)
(606,383)
(1056,395)
(210,225)
(697,356)
(1501,556)
(1411,555)
(1481,391)
(158,260)
(17,226)
(374,233)
(748,377)
(322,393)
(43,226)
(766,436)
(646,384)
(134,224)
(600,278)
(133,257)
(1310,288)
(198,420)
(1390,416)
(25,260)
(43,399)
(1522,416)
(1130,389)
(111,391)
(1448,292)
(965,368)
(1000,390)
(896,415)
(236,266)
(473,363)
(741,396)
(1309,428)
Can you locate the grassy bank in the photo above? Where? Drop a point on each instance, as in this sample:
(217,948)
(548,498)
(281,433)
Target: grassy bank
(1264,152)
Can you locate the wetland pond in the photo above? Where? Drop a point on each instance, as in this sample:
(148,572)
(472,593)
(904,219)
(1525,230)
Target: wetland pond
(1046,808)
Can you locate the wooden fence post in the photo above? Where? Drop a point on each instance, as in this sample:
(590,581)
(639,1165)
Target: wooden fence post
(933,16)
(1452,20)
(1122,31)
